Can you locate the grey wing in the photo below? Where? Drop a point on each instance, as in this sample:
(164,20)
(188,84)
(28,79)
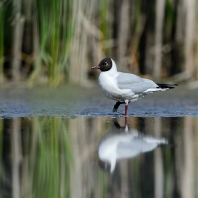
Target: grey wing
(135,83)
(126,150)
(135,147)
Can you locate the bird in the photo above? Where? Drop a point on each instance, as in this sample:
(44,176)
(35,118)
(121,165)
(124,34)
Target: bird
(125,87)
(124,144)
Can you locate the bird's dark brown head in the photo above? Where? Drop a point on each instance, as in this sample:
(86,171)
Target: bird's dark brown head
(104,165)
(104,65)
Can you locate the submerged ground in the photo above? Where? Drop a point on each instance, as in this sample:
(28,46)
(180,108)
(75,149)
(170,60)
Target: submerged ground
(73,101)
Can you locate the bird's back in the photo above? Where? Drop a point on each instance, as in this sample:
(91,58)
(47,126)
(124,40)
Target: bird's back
(133,82)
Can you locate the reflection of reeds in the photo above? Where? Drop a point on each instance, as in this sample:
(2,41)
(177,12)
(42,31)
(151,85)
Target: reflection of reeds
(51,170)
(1,149)
(188,169)
(158,162)
(45,159)
(16,156)
(56,157)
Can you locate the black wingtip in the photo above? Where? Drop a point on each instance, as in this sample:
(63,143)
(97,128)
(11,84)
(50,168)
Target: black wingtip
(167,86)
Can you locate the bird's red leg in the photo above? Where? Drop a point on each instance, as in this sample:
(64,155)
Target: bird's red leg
(126,108)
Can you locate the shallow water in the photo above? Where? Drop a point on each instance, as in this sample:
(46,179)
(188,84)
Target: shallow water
(99,157)
(73,101)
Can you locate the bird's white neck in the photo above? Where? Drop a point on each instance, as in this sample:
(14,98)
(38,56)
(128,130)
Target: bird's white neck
(113,70)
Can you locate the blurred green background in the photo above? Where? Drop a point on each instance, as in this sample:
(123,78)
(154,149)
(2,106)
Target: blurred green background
(57,41)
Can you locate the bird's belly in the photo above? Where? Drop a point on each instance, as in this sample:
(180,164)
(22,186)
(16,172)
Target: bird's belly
(111,90)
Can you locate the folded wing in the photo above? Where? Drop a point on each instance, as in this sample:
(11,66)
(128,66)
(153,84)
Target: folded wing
(135,83)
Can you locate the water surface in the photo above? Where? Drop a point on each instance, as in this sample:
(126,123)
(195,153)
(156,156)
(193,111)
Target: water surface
(99,157)
(73,101)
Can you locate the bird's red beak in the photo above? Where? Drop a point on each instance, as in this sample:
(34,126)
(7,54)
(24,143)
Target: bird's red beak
(95,67)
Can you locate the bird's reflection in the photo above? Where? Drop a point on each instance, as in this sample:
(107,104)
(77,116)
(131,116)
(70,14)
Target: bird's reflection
(122,143)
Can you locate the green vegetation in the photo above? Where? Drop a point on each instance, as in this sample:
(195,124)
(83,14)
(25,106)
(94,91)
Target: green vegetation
(1,41)
(54,35)
(58,41)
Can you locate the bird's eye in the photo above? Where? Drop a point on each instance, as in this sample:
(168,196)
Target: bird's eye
(105,63)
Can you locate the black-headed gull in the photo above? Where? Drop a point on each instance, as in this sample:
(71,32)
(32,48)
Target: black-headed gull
(125,87)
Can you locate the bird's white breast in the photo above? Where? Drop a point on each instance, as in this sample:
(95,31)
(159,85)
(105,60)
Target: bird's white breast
(108,85)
